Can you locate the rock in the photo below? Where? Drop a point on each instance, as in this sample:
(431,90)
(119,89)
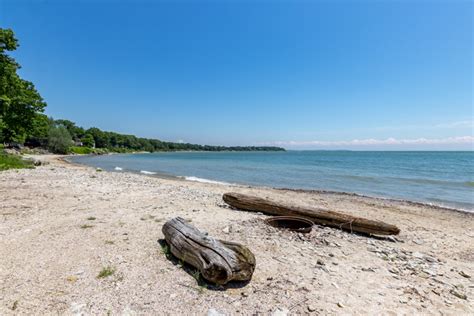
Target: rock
(464,274)
(392,239)
(458,294)
(226,230)
(424,275)
(280,311)
(77,309)
(394,271)
(214,312)
(339,304)
(311,308)
(418,255)
(418,241)
(430,272)
(320,262)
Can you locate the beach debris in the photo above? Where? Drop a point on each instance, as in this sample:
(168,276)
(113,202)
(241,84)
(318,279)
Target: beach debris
(293,223)
(218,261)
(317,215)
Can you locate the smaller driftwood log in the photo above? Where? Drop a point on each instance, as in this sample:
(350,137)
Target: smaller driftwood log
(317,215)
(218,261)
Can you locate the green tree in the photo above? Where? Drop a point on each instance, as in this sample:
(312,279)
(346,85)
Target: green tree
(101,138)
(59,140)
(88,141)
(19,100)
(76,132)
(39,132)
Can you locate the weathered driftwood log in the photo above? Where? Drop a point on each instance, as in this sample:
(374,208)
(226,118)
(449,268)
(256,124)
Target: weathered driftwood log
(218,261)
(317,215)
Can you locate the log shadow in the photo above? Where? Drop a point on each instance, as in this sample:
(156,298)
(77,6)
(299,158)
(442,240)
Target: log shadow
(195,274)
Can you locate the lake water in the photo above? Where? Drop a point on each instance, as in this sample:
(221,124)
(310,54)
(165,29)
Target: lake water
(442,178)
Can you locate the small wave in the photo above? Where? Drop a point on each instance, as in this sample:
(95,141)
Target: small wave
(147,172)
(196,179)
(118,169)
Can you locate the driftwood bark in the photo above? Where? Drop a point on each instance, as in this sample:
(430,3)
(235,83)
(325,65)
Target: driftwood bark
(317,215)
(218,261)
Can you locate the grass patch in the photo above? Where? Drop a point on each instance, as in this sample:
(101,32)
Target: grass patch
(91,218)
(109,242)
(106,272)
(81,150)
(85,226)
(14,306)
(165,249)
(8,161)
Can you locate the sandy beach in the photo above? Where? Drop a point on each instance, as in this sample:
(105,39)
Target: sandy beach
(61,224)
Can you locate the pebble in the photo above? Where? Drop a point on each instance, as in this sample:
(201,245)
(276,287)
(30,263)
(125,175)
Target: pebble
(464,274)
(458,294)
(340,305)
(311,308)
(214,312)
(418,241)
(280,311)
(418,255)
(320,262)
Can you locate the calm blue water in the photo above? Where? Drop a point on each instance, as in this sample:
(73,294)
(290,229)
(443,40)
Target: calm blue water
(443,178)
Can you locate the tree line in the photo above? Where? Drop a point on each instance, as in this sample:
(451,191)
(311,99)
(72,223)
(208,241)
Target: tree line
(62,136)
(22,120)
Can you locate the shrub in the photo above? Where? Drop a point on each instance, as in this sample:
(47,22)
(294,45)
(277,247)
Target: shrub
(81,150)
(59,140)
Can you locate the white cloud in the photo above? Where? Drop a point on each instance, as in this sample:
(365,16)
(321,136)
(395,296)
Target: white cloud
(460,140)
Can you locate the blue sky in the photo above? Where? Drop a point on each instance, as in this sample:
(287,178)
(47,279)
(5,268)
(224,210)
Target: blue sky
(301,74)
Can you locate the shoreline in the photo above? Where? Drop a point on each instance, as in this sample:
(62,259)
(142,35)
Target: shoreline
(64,223)
(316,191)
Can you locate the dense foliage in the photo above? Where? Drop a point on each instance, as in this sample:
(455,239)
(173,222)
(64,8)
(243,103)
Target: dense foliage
(19,100)
(59,140)
(21,120)
(114,142)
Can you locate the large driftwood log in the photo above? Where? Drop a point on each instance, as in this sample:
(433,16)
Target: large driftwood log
(317,215)
(218,261)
